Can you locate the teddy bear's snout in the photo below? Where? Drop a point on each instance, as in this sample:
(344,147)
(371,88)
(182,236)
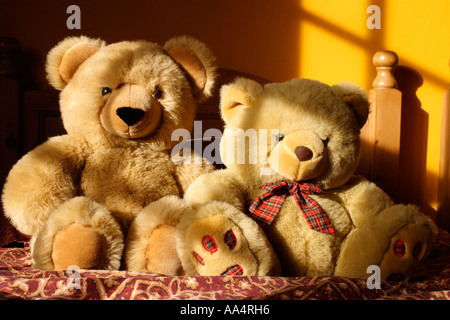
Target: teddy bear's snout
(131,112)
(300,156)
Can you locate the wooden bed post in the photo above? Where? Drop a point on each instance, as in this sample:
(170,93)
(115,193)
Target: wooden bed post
(443,214)
(380,137)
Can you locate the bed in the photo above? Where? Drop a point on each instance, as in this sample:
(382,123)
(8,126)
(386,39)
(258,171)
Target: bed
(32,116)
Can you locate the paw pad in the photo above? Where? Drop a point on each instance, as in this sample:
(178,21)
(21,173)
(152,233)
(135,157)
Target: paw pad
(230,239)
(399,248)
(209,244)
(199,258)
(417,249)
(235,270)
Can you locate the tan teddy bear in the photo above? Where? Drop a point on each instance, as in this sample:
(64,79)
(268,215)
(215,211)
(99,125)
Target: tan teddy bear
(77,194)
(291,150)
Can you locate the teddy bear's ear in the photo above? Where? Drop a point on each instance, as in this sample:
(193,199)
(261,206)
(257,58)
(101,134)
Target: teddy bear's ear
(355,98)
(237,95)
(65,58)
(198,63)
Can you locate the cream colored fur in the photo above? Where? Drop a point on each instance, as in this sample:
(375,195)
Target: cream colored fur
(119,176)
(254,238)
(166,210)
(327,120)
(82,211)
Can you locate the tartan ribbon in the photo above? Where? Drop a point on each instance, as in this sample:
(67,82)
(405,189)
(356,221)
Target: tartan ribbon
(265,208)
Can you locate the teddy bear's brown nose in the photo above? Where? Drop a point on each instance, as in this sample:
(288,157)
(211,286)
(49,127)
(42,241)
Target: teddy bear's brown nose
(303,153)
(130,115)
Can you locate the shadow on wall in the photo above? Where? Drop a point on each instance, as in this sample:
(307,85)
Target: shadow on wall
(414,136)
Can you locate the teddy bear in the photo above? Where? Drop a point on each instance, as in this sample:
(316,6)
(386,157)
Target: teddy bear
(77,194)
(291,150)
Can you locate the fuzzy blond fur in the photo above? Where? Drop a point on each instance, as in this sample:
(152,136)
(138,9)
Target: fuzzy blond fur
(266,261)
(205,56)
(84,212)
(56,55)
(122,175)
(327,120)
(167,210)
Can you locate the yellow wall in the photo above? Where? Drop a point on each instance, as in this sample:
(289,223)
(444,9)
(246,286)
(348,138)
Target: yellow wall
(277,39)
(335,45)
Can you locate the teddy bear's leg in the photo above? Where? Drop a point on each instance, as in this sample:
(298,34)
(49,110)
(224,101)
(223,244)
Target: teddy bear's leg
(396,240)
(218,239)
(82,233)
(406,250)
(150,244)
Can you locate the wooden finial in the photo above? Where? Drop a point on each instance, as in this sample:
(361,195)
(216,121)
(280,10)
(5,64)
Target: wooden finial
(385,61)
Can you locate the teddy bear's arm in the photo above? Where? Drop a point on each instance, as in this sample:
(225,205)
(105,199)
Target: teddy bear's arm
(363,199)
(41,181)
(220,185)
(187,169)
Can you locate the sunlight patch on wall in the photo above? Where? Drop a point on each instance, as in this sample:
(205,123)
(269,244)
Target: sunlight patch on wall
(348,15)
(419,32)
(330,58)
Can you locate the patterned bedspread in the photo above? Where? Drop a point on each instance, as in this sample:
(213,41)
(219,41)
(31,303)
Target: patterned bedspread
(19,281)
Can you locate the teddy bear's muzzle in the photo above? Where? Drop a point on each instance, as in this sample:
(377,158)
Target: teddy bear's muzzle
(131,112)
(300,156)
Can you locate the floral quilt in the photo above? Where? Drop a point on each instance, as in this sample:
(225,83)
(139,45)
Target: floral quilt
(18,280)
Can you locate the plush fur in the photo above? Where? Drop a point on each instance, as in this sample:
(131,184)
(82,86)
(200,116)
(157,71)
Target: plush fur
(306,131)
(214,219)
(119,104)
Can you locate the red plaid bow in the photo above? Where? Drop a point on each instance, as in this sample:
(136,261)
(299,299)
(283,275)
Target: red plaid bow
(265,208)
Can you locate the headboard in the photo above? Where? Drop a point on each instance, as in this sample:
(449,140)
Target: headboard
(28,118)
(380,136)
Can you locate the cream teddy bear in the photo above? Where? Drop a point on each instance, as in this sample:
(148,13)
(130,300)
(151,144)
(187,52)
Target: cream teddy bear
(291,150)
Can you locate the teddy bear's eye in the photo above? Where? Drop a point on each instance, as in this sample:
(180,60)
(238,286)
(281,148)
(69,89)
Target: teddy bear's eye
(106,90)
(279,137)
(157,93)
(325,142)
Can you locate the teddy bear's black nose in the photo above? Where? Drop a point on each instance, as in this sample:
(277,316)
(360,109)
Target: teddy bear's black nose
(130,115)
(303,153)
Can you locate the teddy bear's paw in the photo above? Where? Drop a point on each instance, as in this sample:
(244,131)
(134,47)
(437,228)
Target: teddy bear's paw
(150,243)
(218,247)
(407,249)
(81,246)
(220,240)
(79,233)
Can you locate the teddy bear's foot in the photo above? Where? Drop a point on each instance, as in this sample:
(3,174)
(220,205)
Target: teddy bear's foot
(218,239)
(406,250)
(79,233)
(396,240)
(150,244)
(78,245)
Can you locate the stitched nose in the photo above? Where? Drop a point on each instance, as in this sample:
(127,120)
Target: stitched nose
(303,153)
(130,115)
